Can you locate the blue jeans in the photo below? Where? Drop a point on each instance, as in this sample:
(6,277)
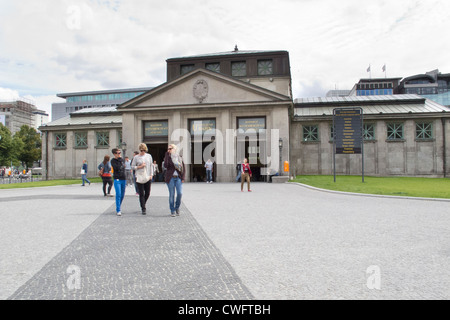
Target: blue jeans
(238,177)
(119,186)
(175,184)
(208,175)
(84,179)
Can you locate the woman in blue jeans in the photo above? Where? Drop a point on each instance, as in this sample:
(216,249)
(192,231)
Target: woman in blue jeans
(120,178)
(175,173)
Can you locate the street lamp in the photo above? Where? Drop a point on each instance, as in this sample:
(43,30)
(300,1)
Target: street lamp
(280,145)
(123,146)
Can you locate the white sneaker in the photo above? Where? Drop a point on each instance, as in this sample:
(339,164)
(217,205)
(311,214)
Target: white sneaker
(119,213)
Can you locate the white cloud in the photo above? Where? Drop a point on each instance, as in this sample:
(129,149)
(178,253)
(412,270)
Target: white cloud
(50,47)
(8,94)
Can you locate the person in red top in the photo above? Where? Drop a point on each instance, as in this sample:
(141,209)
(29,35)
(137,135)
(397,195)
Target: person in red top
(246,174)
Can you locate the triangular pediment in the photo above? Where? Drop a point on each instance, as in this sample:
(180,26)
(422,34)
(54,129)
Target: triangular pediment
(203,87)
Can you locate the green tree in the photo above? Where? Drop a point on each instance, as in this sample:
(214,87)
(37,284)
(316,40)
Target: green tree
(30,151)
(6,146)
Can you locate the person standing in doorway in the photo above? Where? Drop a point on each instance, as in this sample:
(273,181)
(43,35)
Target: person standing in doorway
(142,164)
(246,174)
(209,170)
(84,170)
(118,165)
(105,171)
(174,178)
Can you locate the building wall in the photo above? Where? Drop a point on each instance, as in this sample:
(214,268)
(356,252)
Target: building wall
(64,163)
(407,157)
(277,117)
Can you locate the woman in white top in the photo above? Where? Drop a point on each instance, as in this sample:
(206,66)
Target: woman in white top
(142,163)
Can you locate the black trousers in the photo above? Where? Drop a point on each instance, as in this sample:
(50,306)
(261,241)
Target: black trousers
(144,192)
(107,180)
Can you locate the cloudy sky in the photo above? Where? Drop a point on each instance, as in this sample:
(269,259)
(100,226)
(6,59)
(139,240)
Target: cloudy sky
(53,46)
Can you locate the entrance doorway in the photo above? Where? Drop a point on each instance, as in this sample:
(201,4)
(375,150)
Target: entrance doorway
(198,170)
(158,151)
(253,151)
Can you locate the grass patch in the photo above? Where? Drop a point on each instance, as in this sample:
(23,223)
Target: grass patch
(46,183)
(393,186)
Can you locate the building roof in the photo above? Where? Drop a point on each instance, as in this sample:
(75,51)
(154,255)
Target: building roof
(83,93)
(228,53)
(371,105)
(88,116)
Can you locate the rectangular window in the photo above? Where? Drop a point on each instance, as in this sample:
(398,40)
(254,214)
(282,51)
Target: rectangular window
(81,139)
(102,139)
(186,68)
(311,133)
(424,130)
(238,69)
(395,131)
(369,131)
(60,140)
(265,67)
(213,67)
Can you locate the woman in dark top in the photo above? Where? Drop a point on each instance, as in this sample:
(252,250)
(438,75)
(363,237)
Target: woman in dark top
(175,173)
(105,169)
(118,165)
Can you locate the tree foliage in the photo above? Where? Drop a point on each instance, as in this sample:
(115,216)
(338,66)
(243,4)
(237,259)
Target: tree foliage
(24,147)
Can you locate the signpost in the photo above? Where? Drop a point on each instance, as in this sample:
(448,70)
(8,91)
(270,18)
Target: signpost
(348,134)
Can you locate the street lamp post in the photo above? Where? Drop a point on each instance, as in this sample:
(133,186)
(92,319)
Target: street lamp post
(123,146)
(280,145)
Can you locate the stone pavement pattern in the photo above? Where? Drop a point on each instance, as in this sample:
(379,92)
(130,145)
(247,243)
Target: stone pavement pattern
(279,242)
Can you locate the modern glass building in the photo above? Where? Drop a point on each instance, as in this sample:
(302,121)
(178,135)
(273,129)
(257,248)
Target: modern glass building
(93,99)
(432,85)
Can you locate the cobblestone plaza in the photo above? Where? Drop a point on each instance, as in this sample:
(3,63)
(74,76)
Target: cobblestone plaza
(281,242)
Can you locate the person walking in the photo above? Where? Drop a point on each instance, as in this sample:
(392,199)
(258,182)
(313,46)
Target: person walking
(118,165)
(238,171)
(246,174)
(105,172)
(155,171)
(84,170)
(174,178)
(134,174)
(142,164)
(209,170)
(128,172)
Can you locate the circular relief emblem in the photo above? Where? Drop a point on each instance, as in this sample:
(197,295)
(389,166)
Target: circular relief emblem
(200,90)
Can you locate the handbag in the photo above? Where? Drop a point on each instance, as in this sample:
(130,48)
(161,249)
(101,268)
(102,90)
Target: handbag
(82,171)
(142,175)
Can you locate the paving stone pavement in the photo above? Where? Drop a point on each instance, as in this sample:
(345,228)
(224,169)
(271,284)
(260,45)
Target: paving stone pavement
(138,257)
(281,241)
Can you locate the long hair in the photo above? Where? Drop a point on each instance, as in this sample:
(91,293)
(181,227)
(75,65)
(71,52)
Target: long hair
(106,159)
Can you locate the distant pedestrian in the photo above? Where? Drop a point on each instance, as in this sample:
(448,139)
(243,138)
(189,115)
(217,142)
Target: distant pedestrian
(175,173)
(209,170)
(134,174)
(142,164)
(128,173)
(246,174)
(238,171)
(118,165)
(155,171)
(84,170)
(105,172)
